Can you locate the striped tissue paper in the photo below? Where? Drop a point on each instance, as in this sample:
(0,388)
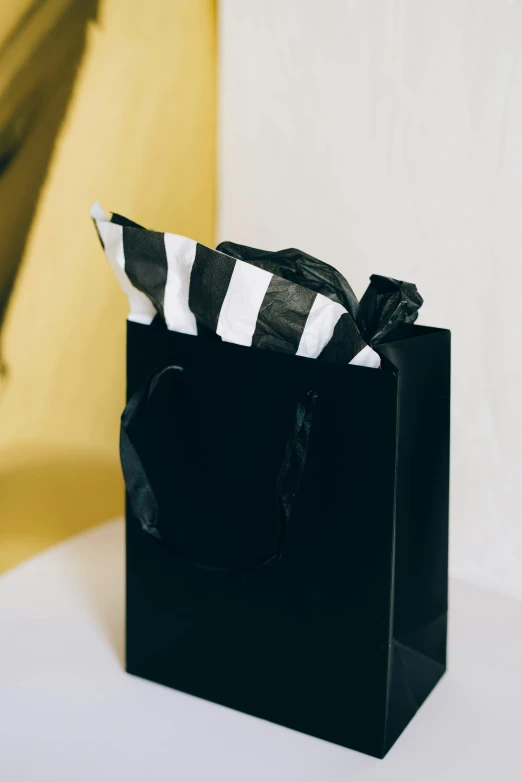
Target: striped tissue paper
(192,287)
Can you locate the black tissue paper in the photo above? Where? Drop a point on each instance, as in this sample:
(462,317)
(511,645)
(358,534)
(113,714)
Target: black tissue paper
(386,305)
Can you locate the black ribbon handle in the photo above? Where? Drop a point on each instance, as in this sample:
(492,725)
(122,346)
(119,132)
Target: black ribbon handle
(142,499)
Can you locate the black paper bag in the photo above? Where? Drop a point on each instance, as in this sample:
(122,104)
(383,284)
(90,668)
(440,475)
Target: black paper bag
(287,529)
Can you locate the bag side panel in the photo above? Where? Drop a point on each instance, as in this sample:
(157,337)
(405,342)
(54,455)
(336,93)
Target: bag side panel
(421,552)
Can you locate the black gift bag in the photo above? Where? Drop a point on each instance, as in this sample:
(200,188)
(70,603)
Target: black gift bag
(287,529)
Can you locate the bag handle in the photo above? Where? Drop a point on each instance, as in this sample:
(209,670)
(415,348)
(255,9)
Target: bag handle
(141,495)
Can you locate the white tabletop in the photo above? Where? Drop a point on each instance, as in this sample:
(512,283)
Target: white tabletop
(69,713)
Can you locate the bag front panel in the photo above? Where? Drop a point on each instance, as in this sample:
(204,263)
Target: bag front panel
(304,640)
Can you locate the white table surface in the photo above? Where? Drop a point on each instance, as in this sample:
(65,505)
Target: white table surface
(69,713)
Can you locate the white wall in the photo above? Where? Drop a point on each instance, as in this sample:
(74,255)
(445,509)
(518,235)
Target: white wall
(386,136)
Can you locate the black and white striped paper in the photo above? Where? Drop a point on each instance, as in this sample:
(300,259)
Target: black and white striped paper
(187,283)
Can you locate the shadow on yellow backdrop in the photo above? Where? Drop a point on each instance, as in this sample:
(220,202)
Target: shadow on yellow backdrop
(40,51)
(139,135)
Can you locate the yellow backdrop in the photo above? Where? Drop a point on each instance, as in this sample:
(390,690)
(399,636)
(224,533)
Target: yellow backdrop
(139,135)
